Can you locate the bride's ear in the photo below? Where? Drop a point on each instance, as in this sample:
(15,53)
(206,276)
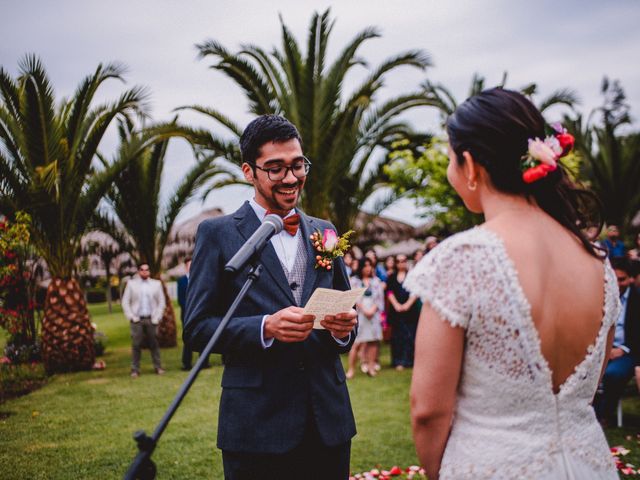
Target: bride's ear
(471,170)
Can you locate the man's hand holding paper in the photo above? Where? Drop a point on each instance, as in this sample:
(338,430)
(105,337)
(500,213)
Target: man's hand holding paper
(341,324)
(333,310)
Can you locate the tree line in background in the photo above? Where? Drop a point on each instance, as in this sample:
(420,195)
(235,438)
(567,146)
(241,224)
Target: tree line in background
(56,185)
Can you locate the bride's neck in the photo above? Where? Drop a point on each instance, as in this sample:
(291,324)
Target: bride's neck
(497,204)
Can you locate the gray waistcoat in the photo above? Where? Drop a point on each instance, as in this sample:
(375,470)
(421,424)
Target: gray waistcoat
(297,274)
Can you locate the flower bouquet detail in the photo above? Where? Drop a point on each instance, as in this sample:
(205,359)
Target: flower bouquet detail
(410,473)
(626,469)
(329,246)
(542,155)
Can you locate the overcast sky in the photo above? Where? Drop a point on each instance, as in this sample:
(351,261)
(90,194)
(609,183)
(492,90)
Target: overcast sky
(556,44)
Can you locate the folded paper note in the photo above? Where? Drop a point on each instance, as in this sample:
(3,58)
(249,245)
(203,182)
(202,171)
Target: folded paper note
(325,301)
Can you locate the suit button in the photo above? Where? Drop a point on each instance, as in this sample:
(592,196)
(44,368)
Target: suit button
(301,366)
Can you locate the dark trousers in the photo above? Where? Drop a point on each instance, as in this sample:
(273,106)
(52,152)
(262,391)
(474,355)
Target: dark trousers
(615,379)
(140,330)
(403,338)
(187,352)
(310,460)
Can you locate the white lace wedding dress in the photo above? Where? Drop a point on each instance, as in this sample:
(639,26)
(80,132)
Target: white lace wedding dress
(508,423)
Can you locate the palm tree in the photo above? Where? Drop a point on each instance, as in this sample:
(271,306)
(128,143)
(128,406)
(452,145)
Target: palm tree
(107,250)
(145,221)
(47,171)
(339,133)
(441,97)
(612,158)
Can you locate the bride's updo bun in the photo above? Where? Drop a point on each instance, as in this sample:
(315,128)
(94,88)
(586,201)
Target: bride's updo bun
(495,127)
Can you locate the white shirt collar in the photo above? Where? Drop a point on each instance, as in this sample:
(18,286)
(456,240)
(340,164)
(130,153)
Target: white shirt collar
(260,211)
(625,296)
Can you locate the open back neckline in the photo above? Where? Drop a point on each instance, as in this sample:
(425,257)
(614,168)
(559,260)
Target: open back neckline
(529,324)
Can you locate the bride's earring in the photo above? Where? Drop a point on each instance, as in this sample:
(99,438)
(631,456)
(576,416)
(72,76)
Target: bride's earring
(472,185)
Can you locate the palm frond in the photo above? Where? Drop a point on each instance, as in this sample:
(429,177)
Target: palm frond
(291,62)
(78,106)
(529,89)
(193,180)
(110,225)
(9,93)
(345,61)
(224,182)
(440,97)
(12,184)
(131,100)
(38,113)
(270,71)
(244,73)
(563,96)
(477,85)
(11,138)
(216,115)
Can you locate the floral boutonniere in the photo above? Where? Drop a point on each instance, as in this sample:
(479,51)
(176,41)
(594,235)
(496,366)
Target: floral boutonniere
(329,246)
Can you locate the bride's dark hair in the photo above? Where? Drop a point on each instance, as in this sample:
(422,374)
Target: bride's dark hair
(494,127)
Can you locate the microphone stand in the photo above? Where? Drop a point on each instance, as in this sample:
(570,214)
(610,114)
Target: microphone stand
(142,467)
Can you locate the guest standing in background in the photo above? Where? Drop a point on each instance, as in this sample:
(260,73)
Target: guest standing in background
(369,308)
(634,253)
(624,357)
(183,283)
(613,244)
(417,256)
(143,304)
(403,316)
(430,243)
(378,268)
(390,265)
(348,260)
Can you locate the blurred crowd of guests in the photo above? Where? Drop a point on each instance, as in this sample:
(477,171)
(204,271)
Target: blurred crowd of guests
(386,312)
(624,359)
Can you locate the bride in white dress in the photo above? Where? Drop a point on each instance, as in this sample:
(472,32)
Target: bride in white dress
(518,312)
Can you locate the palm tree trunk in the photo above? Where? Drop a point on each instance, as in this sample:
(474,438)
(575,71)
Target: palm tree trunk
(109,300)
(67,334)
(167,327)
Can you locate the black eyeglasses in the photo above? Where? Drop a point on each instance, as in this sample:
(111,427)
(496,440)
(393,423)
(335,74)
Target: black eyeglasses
(299,168)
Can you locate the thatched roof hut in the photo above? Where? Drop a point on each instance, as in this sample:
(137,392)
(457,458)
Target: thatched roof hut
(182,240)
(376,230)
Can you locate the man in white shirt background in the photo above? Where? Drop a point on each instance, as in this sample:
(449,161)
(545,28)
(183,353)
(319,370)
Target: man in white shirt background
(143,304)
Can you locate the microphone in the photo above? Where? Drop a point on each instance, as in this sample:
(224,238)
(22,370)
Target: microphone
(271,225)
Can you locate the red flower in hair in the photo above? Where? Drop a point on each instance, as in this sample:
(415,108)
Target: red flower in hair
(566,142)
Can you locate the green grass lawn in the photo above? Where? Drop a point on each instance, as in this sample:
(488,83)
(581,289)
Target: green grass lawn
(80,425)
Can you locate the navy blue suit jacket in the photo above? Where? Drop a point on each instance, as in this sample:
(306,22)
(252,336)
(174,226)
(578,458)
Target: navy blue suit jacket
(182,284)
(267,394)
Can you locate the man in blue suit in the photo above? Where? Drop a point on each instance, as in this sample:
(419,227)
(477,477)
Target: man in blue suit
(182,284)
(285,410)
(624,357)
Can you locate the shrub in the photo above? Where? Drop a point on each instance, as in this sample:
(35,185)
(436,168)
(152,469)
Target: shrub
(19,379)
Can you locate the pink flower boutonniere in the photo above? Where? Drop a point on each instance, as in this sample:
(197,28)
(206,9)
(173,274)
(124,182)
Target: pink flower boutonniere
(329,246)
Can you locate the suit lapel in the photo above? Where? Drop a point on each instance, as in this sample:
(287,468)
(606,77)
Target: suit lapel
(247,223)
(308,226)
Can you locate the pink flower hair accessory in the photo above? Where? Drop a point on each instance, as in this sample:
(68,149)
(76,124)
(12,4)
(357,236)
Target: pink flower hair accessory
(542,155)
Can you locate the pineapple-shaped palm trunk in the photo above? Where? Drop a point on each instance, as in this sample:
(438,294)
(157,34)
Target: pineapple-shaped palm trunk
(67,333)
(167,327)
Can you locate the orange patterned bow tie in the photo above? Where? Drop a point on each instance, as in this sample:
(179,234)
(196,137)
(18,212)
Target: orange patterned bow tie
(291,223)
